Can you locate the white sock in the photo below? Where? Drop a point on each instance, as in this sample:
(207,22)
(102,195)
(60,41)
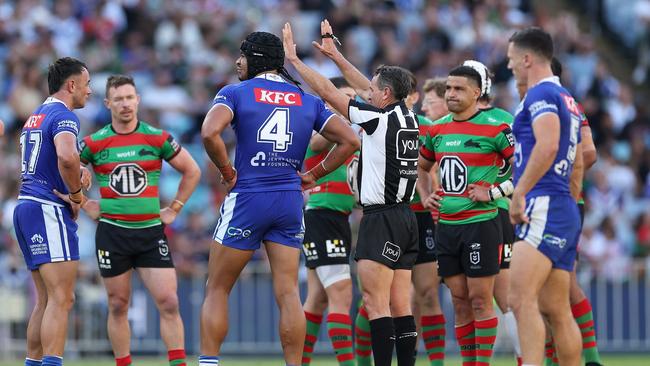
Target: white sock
(511,326)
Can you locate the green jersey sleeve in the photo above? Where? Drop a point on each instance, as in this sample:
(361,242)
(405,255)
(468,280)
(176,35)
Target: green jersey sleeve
(170,147)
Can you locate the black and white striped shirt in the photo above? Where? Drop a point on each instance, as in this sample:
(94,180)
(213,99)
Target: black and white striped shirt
(389,153)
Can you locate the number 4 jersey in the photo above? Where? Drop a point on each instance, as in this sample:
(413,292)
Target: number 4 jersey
(468,152)
(127,167)
(273,121)
(39,162)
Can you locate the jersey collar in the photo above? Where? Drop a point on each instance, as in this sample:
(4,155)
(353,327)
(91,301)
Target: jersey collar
(271,76)
(550,79)
(50,100)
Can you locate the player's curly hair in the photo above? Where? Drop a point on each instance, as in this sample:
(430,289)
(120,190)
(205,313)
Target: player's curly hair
(264,52)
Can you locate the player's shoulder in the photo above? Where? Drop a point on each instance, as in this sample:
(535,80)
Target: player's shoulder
(443,120)
(100,134)
(147,129)
(423,121)
(498,115)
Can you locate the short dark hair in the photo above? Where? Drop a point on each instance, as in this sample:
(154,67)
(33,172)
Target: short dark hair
(413,81)
(115,81)
(340,82)
(556,67)
(436,84)
(60,70)
(467,72)
(534,39)
(395,78)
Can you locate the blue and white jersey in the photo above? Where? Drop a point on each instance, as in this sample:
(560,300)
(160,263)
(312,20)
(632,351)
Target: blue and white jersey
(547,96)
(39,161)
(273,121)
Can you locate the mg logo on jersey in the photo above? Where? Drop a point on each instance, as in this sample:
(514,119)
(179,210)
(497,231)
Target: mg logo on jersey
(453,174)
(128,179)
(391,251)
(352,178)
(277,98)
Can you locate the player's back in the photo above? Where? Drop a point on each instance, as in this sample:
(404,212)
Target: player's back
(39,162)
(548,96)
(273,121)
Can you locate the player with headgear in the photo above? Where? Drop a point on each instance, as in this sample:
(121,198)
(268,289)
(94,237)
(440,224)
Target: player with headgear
(273,121)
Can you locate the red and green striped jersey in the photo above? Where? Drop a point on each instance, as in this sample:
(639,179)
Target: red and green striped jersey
(334,191)
(424,124)
(499,115)
(467,152)
(127,167)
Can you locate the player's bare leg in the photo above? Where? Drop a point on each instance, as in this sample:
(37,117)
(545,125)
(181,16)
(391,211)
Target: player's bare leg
(284,262)
(529,269)
(224,266)
(555,302)
(317,300)
(339,295)
(118,289)
(59,280)
(501,288)
(162,284)
(34,346)
(405,328)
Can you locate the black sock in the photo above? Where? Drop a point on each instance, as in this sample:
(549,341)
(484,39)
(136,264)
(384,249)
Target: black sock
(382,333)
(406,339)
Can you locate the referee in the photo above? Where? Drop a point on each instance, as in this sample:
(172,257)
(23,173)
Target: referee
(388,236)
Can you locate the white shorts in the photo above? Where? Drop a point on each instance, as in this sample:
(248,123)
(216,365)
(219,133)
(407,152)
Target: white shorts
(329,275)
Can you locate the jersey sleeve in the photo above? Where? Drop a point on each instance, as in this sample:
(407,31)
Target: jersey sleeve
(541,101)
(427,150)
(226,96)
(170,147)
(323,115)
(85,154)
(365,115)
(505,142)
(66,122)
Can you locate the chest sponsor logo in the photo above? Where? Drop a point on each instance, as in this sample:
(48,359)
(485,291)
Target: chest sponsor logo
(125,154)
(408,145)
(453,174)
(391,251)
(452,143)
(277,97)
(128,180)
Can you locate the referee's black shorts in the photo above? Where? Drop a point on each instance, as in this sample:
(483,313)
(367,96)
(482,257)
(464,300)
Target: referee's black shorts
(388,234)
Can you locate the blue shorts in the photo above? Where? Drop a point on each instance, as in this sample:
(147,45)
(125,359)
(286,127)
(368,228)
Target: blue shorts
(45,233)
(248,218)
(553,229)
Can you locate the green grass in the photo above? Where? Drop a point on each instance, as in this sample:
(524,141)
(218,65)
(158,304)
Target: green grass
(608,360)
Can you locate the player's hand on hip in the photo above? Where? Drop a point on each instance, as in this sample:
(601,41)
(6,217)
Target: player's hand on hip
(327,45)
(287,42)
(518,209)
(91,207)
(167,215)
(75,207)
(307,181)
(86,178)
(478,193)
(432,202)
(229,184)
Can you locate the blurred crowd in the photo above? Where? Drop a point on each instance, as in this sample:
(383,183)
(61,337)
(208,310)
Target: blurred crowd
(181,52)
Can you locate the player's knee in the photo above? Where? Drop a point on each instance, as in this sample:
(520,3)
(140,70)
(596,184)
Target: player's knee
(168,304)
(62,298)
(118,305)
(286,293)
(517,302)
(481,303)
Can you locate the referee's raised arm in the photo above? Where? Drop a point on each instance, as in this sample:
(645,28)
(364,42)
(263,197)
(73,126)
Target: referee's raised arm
(319,84)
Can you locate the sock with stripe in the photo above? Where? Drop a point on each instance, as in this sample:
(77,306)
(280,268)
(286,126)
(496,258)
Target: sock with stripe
(32,362)
(466,343)
(406,338)
(433,334)
(176,357)
(313,326)
(208,360)
(362,343)
(550,356)
(585,319)
(486,334)
(511,326)
(339,329)
(52,361)
(382,334)
(123,361)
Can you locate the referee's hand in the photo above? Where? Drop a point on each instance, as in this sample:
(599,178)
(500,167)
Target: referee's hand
(327,46)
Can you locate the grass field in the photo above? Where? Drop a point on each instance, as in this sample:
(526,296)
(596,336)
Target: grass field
(608,360)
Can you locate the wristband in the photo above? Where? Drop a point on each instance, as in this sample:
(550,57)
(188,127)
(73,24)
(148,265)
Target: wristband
(176,206)
(73,197)
(227,172)
(318,171)
(75,192)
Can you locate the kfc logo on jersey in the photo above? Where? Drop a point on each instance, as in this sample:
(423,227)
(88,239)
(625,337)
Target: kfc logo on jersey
(571,104)
(286,99)
(34,121)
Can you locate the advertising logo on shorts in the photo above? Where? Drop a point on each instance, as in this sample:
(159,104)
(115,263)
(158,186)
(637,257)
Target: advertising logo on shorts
(103,257)
(335,248)
(391,251)
(128,179)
